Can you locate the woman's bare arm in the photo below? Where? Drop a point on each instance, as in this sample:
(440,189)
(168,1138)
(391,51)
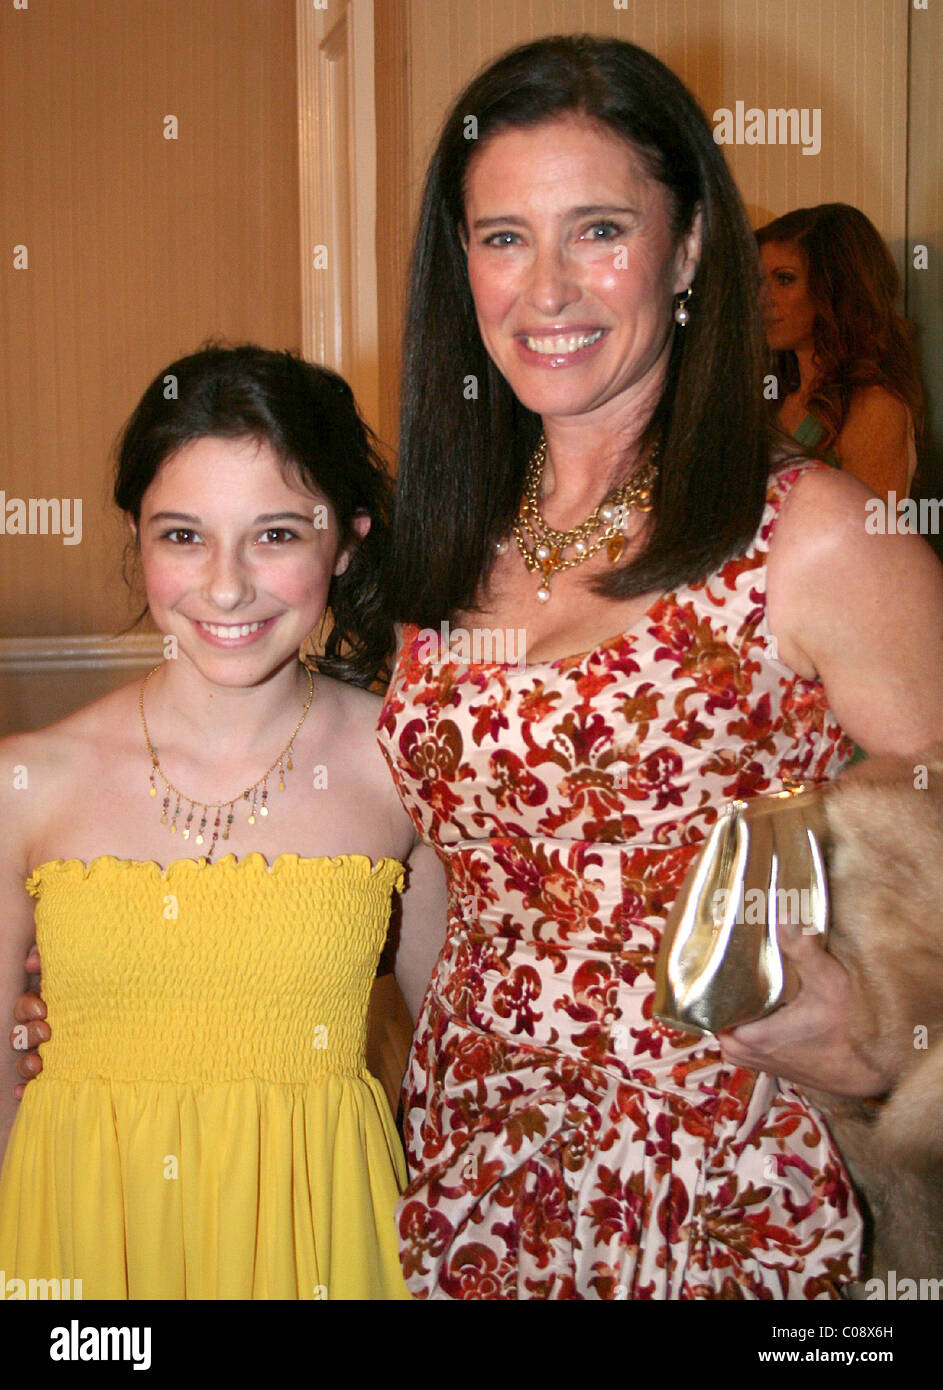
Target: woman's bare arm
(874,443)
(864,613)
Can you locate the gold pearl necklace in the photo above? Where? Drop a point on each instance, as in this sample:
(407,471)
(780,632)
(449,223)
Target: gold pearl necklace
(543,548)
(257,794)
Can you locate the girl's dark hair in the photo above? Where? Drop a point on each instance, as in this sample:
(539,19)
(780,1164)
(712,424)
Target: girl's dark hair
(462,460)
(858,336)
(308,416)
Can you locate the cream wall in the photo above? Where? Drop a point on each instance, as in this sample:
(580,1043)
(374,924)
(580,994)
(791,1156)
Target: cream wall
(139,248)
(846,57)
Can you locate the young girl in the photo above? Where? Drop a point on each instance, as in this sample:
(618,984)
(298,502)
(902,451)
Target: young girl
(203,846)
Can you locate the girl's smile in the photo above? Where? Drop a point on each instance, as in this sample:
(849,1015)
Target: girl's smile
(233,634)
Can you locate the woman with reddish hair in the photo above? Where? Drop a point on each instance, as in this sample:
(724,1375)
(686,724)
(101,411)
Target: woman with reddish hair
(848,385)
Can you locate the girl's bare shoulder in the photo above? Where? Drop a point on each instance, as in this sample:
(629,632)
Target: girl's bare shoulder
(352,713)
(41,769)
(73,744)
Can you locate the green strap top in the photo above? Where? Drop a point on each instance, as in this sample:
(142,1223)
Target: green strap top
(808,432)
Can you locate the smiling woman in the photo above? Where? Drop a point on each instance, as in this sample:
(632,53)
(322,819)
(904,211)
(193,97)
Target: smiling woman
(579,280)
(610,489)
(253,423)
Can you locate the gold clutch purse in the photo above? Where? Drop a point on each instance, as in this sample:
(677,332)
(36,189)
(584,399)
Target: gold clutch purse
(764,862)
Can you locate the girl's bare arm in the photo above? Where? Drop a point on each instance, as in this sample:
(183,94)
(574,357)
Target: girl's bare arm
(423,925)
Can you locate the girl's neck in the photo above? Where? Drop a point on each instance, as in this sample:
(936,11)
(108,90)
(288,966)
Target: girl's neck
(185,708)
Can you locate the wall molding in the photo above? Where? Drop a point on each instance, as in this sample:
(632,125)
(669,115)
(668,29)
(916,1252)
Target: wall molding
(20,656)
(337,177)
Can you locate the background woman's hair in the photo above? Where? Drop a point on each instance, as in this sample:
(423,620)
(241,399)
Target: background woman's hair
(462,460)
(859,337)
(308,416)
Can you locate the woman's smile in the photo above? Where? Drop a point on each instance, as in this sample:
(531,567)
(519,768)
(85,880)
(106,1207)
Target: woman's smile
(564,347)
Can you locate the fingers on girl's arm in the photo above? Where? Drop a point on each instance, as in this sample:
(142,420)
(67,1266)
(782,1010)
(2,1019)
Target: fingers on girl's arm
(27,1007)
(33,967)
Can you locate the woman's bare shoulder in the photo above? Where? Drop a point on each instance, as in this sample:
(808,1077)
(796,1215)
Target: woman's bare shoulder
(872,405)
(351,721)
(824,507)
(842,596)
(823,540)
(874,443)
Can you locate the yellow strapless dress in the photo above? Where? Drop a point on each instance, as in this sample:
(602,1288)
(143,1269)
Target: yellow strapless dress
(205,1125)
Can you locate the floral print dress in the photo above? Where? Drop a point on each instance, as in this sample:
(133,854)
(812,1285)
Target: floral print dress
(561,1143)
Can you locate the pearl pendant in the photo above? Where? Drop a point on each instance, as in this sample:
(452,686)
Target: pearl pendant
(681,315)
(543,593)
(607,512)
(543,552)
(579,547)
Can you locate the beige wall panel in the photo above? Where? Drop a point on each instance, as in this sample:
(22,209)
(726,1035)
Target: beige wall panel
(395,202)
(848,58)
(139,247)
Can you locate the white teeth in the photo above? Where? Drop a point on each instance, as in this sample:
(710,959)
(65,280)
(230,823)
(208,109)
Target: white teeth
(231,633)
(556,347)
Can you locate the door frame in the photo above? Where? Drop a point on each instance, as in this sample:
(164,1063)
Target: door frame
(337,187)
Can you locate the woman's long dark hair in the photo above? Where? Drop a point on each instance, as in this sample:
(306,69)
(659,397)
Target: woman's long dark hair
(308,416)
(462,460)
(859,339)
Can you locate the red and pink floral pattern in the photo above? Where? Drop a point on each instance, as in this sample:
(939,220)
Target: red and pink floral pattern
(561,1143)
